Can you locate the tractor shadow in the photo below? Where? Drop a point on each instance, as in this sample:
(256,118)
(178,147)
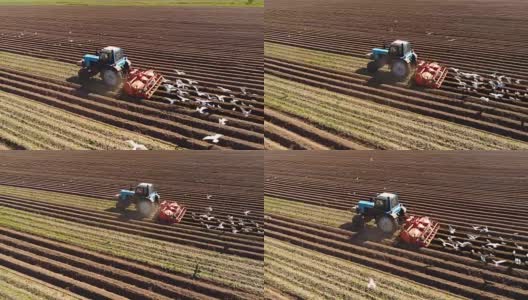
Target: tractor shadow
(93,86)
(383,76)
(127,215)
(369,233)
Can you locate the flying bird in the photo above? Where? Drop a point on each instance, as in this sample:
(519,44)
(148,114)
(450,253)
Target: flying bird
(222,121)
(171,101)
(223,89)
(179,72)
(201,109)
(451,229)
(214,138)
(498,262)
(136,146)
(247,212)
(245,112)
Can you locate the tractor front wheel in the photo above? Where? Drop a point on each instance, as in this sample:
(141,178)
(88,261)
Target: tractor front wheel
(83,75)
(111,77)
(400,69)
(387,224)
(358,222)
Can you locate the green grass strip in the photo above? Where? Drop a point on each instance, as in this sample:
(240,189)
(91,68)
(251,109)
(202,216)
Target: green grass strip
(227,270)
(306,212)
(311,275)
(14,285)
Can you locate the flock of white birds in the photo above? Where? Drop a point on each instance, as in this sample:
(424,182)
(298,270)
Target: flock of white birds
(486,252)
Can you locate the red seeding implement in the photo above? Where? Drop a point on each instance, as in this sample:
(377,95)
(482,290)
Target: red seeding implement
(419,231)
(142,84)
(430,74)
(170,212)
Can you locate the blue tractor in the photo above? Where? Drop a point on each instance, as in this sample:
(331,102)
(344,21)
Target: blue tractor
(110,62)
(386,209)
(144,196)
(399,56)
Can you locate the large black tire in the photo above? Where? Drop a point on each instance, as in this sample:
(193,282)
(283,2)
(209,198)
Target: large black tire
(111,77)
(147,209)
(400,69)
(387,224)
(372,67)
(83,75)
(121,205)
(358,222)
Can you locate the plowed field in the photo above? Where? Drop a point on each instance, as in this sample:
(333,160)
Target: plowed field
(217,47)
(318,48)
(309,200)
(59,226)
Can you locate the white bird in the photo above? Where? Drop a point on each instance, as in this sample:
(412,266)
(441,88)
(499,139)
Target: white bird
(454,69)
(486,99)
(207,226)
(221,226)
(247,212)
(169,87)
(179,72)
(136,146)
(209,208)
(493,245)
(223,89)
(222,121)
(472,236)
(498,262)
(429,33)
(245,112)
(451,229)
(496,95)
(518,246)
(484,229)
(517,261)
(200,94)
(183,99)
(234,230)
(463,244)
(171,101)
(182,93)
(209,218)
(214,138)
(201,109)
(243,89)
(371,284)
(209,197)
(190,81)
(451,40)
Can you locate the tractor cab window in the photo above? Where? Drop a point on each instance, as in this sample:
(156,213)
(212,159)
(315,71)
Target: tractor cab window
(394,202)
(380,204)
(394,50)
(142,191)
(118,54)
(104,57)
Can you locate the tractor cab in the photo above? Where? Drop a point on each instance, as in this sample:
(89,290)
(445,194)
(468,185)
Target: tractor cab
(400,49)
(110,55)
(144,189)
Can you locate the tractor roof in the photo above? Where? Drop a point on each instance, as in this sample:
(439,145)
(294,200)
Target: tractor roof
(399,42)
(387,196)
(144,184)
(112,48)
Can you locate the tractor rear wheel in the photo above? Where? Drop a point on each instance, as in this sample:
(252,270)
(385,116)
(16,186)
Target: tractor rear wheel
(400,69)
(373,67)
(387,224)
(146,209)
(111,77)
(358,222)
